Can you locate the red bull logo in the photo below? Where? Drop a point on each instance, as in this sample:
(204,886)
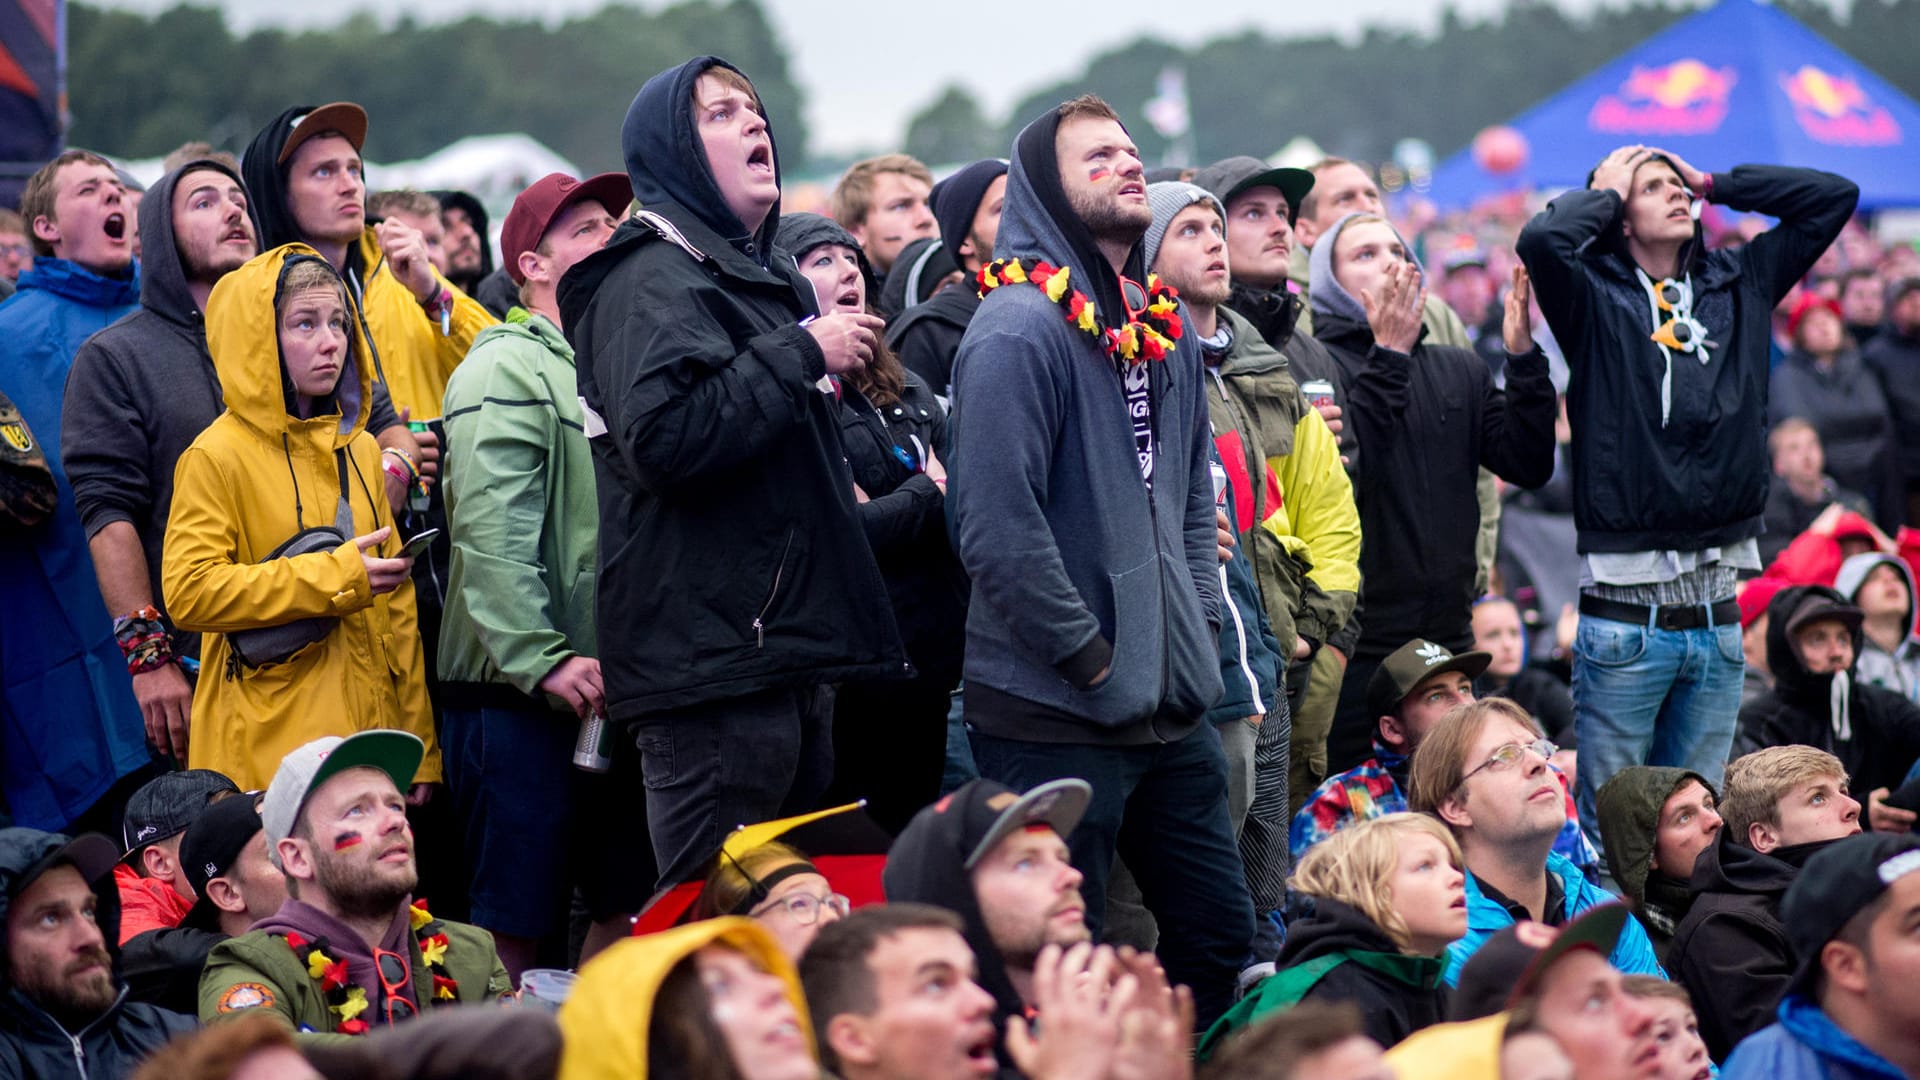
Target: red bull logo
(1685,97)
(1834,109)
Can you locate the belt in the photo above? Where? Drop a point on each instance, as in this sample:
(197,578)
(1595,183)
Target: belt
(1664,617)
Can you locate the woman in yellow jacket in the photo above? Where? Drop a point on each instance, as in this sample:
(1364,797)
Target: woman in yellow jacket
(290,454)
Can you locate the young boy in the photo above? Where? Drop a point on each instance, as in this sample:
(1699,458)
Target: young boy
(291,454)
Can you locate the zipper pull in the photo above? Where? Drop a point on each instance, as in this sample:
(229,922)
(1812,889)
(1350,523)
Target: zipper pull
(760,633)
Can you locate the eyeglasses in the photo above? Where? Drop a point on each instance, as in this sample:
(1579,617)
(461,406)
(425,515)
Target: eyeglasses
(395,974)
(805,908)
(18,251)
(1509,755)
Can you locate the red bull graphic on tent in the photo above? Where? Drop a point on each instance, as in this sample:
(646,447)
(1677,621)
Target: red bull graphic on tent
(1735,83)
(32,88)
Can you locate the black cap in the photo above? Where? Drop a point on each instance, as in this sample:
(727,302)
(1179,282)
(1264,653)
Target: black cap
(1410,665)
(1231,176)
(1835,885)
(1816,605)
(212,844)
(956,200)
(167,804)
(92,854)
(1508,967)
(981,813)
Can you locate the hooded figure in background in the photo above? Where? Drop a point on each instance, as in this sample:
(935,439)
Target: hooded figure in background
(1630,806)
(467,280)
(1873,731)
(1889,654)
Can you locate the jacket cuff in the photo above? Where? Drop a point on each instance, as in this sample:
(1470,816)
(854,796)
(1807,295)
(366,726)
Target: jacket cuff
(1084,666)
(813,360)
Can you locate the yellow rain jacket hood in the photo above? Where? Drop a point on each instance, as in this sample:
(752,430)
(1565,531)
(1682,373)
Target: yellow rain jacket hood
(608,1013)
(254,478)
(1462,1051)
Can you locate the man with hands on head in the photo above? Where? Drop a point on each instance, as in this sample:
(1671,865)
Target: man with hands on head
(1669,348)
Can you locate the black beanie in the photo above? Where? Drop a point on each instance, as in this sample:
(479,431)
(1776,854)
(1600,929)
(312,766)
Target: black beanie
(957,198)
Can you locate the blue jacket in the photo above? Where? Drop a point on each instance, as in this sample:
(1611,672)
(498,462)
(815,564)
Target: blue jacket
(1805,1045)
(1633,954)
(69,725)
(1250,665)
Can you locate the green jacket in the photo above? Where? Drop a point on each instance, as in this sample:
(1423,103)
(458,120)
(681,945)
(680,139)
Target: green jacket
(257,970)
(521,509)
(1306,538)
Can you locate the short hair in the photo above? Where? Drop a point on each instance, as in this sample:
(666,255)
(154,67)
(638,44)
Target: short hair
(1086,107)
(403,201)
(1792,425)
(852,197)
(733,880)
(199,151)
(1858,273)
(1273,1048)
(1356,866)
(1757,782)
(834,971)
(1311,200)
(37,200)
(1363,217)
(1440,764)
(1656,989)
(11,222)
(216,1052)
(732,80)
(308,273)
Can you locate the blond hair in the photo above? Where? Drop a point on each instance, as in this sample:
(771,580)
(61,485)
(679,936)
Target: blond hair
(1757,782)
(304,274)
(403,201)
(1356,866)
(853,197)
(41,192)
(733,880)
(1440,763)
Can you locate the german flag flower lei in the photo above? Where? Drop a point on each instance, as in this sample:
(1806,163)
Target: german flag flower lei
(1151,336)
(348,1001)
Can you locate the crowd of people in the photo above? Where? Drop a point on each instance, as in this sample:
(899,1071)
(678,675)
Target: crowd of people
(1269,636)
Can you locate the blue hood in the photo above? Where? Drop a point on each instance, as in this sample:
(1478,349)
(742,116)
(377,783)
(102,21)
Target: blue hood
(659,134)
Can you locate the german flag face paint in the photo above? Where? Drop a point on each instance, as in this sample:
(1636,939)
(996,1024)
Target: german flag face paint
(346,840)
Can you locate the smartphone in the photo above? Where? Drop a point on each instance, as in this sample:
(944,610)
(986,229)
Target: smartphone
(418,543)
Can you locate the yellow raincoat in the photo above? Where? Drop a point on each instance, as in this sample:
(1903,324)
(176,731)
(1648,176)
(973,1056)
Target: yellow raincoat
(415,356)
(253,479)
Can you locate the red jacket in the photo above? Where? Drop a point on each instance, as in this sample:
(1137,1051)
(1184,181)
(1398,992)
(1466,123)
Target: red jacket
(146,904)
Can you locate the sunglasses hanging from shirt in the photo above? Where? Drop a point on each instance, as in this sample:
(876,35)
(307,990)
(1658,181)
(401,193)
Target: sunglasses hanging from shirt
(1675,329)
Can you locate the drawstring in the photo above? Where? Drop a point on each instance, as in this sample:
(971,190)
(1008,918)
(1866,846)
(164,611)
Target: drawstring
(299,519)
(1838,709)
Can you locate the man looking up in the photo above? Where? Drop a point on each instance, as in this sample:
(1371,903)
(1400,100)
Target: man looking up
(1655,821)
(418,211)
(884,203)
(69,723)
(1668,404)
(699,365)
(927,335)
(1084,657)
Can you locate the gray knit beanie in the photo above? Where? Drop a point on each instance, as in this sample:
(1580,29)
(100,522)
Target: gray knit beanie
(1167,199)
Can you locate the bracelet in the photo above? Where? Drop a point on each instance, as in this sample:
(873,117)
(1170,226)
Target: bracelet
(1706,189)
(400,465)
(143,640)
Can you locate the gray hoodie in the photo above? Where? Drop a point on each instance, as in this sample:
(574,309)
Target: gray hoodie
(1899,670)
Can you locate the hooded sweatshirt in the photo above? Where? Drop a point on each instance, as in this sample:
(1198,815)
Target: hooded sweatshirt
(732,558)
(32,1042)
(142,389)
(56,640)
(1427,422)
(1078,565)
(251,481)
(477,214)
(1898,670)
(608,1017)
(1629,806)
(1873,731)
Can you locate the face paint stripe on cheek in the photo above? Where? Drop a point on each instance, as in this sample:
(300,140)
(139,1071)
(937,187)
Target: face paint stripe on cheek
(1099,173)
(346,840)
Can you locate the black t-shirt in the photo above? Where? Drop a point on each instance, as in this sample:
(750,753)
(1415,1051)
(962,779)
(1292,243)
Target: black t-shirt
(1556,905)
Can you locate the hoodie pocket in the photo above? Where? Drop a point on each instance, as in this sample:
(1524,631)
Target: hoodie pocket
(1131,690)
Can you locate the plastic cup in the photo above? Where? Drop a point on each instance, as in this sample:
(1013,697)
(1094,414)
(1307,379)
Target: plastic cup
(546,988)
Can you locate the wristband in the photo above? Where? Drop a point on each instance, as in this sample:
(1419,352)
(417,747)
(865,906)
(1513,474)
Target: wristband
(1706,189)
(143,640)
(440,306)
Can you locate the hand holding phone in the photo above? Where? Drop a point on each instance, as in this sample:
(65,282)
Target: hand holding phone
(418,543)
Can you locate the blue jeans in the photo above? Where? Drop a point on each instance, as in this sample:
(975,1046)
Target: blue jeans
(1643,696)
(1163,807)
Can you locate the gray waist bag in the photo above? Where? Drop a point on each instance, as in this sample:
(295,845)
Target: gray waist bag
(274,644)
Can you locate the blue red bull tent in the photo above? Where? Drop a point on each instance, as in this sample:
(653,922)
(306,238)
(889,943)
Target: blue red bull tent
(1738,82)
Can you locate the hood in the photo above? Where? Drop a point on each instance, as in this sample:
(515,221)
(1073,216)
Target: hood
(1332,927)
(667,162)
(1324,289)
(606,1018)
(21,852)
(266,181)
(1791,679)
(1729,867)
(1462,1051)
(481,224)
(801,233)
(1249,354)
(70,281)
(1628,807)
(1853,573)
(1038,223)
(927,866)
(246,353)
(919,267)
(163,280)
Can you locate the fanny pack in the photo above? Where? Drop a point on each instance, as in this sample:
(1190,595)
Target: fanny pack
(275,644)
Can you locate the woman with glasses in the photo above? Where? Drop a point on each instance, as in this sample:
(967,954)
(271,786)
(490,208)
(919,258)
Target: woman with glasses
(776,886)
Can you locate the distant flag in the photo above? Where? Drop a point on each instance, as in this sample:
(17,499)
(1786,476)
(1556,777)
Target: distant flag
(1167,111)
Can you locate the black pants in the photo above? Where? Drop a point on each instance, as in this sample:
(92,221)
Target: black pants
(1350,742)
(890,747)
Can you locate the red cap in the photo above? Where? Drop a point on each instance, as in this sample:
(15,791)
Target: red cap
(537,206)
(1807,302)
(1851,526)
(1755,595)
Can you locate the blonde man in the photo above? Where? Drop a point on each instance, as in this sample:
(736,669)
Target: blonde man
(885,203)
(1780,806)
(1483,771)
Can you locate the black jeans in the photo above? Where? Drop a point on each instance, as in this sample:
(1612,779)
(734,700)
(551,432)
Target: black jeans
(1163,807)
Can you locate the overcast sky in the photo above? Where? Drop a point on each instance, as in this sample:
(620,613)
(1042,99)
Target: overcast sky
(868,65)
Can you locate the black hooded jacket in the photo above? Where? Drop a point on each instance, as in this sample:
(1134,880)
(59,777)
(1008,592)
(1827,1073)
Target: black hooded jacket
(33,1043)
(1732,951)
(1699,478)
(1397,994)
(731,553)
(142,390)
(927,336)
(1876,732)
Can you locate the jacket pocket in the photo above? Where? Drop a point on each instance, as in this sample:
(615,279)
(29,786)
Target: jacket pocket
(774,589)
(1131,690)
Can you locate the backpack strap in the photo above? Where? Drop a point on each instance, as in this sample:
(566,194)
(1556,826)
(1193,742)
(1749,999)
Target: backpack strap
(1275,993)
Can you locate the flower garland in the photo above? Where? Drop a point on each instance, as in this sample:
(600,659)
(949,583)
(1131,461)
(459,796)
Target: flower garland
(1152,336)
(348,1001)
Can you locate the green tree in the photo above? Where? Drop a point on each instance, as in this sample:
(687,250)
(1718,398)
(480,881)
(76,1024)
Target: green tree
(952,129)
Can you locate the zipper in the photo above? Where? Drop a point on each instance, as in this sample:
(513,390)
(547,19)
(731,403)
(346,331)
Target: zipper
(779,571)
(79,1056)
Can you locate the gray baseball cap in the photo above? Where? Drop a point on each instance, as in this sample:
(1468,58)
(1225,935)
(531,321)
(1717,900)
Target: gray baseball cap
(396,753)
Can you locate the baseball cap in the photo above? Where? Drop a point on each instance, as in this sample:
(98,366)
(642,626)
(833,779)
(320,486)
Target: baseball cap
(535,208)
(1417,660)
(396,753)
(1754,597)
(981,813)
(92,854)
(344,117)
(164,806)
(1817,605)
(1231,176)
(212,843)
(1837,883)
(1509,966)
